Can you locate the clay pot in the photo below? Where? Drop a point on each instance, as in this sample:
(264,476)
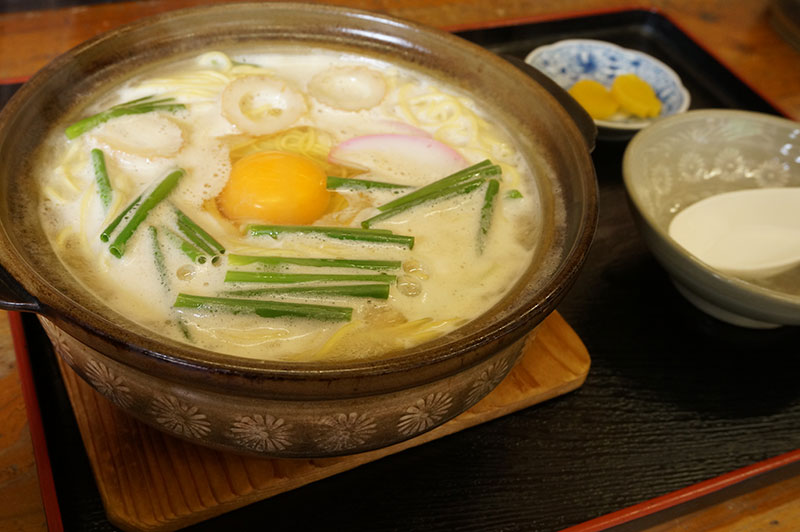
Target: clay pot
(271,408)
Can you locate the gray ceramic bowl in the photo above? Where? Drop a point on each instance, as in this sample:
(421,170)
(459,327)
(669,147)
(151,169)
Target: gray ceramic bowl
(269,408)
(683,159)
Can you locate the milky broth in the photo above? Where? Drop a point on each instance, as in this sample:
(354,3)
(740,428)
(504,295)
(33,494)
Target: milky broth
(444,281)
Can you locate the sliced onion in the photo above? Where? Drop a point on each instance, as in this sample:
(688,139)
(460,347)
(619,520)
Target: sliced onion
(349,88)
(145,135)
(260,105)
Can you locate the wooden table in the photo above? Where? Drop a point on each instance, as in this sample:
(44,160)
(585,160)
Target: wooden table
(738,33)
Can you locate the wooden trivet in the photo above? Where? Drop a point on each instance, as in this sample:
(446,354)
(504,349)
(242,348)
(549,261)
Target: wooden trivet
(149,480)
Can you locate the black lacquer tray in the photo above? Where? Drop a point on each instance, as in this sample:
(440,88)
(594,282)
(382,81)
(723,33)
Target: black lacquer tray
(673,398)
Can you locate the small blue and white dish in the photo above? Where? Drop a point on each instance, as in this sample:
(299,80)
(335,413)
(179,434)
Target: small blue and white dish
(572,60)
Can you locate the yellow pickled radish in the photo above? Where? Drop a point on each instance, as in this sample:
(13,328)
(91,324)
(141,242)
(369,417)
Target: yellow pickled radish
(594,98)
(635,96)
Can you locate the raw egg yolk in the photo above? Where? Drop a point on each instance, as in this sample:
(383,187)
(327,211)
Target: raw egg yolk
(275,187)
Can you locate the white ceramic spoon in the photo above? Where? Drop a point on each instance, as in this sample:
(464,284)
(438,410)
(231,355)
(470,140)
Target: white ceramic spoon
(748,233)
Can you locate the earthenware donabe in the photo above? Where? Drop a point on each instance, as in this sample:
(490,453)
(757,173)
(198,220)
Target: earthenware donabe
(269,408)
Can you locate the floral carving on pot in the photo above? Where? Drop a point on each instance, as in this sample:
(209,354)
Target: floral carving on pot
(109,384)
(487,381)
(61,342)
(341,432)
(425,413)
(178,417)
(261,433)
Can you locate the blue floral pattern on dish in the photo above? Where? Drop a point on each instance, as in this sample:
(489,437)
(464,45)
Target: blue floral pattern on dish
(574,59)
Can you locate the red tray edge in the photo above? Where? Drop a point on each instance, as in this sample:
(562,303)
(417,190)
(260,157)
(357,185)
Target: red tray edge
(695,491)
(47,485)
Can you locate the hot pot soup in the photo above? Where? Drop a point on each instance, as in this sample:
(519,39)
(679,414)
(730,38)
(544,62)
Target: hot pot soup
(290,205)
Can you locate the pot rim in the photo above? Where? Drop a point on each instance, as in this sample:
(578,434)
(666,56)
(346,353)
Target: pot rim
(54,304)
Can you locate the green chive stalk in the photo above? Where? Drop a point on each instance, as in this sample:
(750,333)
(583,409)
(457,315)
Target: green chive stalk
(486,212)
(276,230)
(198,235)
(335,183)
(194,253)
(138,101)
(139,106)
(161,268)
(184,329)
(101,177)
(483,169)
(265,309)
(439,194)
(105,235)
(233,276)
(372,290)
(380,236)
(461,182)
(161,191)
(158,255)
(245,260)
(195,239)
